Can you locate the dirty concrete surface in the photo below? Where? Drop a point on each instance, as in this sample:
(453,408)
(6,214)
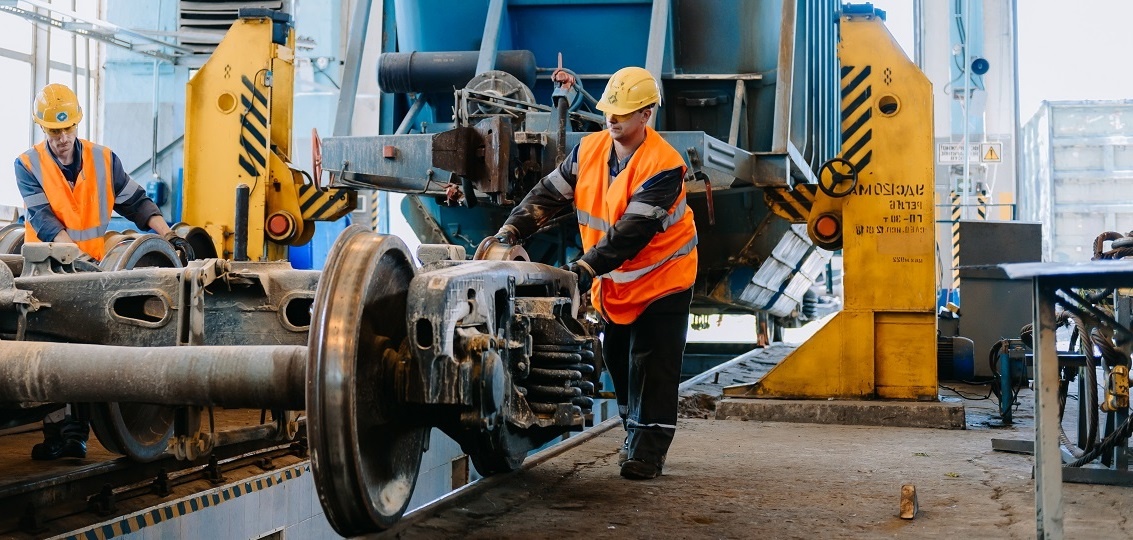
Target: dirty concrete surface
(737,479)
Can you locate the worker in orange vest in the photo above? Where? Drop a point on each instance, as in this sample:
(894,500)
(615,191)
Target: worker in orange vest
(70,186)
(639,257)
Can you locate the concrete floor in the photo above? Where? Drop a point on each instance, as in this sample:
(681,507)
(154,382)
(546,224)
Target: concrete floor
(748,479)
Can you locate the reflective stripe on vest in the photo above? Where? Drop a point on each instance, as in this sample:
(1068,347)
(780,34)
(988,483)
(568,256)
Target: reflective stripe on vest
(668,263)
(560,184)
(84,209)
(587,220)
(619,276)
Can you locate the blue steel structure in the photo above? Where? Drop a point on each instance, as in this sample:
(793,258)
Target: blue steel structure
(750,97)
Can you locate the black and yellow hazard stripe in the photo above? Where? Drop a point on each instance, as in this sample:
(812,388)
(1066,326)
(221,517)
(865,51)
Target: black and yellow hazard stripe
(175,509)
(955,240)
(375,218)
(253,129)
(791,204)
(857,110)
(981,209)
(325,204)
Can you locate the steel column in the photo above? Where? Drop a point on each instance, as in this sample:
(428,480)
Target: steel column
(359,24)
(655,51)
(490,43)
(1048,458)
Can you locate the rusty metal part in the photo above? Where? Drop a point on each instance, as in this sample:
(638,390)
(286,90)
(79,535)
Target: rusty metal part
(480,153)
(129,251)
(365,453)
(477,330)
(15,263)
(139,429)
(211,302)
(44,259)
(198,238)
(258,376)
(499,251)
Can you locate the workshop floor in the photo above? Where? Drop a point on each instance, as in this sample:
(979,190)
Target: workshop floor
(735,479)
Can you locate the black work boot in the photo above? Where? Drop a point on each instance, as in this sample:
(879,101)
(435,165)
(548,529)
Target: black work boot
(62,439)
(75,433)
(52,445)
(639,469)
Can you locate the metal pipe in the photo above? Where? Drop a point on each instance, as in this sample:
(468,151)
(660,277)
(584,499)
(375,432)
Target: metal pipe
(431,72)
(966,21)
(153,149)
(268,377)
(560,145)
(246,434)
(1017,127)
(240,238)
(75,52)
(154,107)
(407,122)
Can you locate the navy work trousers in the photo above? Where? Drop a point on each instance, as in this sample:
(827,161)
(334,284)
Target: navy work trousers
(644,360)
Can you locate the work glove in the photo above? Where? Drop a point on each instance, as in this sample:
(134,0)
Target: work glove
(584,274)
(506,236)
(184,250)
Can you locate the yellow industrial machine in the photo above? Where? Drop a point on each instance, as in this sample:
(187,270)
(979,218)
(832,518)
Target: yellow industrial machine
(238,132)
(876,204)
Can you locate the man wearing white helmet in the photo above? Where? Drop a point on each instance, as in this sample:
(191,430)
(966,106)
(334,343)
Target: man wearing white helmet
(639,257)
(69,187)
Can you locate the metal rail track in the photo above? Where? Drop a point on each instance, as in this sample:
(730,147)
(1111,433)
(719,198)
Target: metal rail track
(100,488)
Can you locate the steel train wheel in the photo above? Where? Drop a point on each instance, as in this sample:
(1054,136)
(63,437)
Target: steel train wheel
(12,239)
(126,252)
(364,453)
(198,238)
(138,430)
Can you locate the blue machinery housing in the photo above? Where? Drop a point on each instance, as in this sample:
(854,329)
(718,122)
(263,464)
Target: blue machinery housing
(470,119)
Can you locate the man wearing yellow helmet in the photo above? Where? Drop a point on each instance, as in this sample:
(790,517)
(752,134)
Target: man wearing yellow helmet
(639,257)
(69,187)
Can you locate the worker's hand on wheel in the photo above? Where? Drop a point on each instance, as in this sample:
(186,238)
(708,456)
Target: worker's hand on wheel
(506,236)
(585,276)
(184,250)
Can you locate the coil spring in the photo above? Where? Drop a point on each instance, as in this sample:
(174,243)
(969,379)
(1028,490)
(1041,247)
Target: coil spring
(556,376)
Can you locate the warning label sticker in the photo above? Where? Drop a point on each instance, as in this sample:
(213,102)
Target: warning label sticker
(991,152)
(953,153)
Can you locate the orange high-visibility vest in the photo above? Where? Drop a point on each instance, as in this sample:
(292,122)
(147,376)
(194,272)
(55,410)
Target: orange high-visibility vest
(85,209)
(668,263)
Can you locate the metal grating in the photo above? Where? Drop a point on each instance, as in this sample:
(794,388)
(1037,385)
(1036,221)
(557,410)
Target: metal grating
(46,14)
(202,23)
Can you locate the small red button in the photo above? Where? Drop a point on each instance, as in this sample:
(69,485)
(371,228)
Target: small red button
(278,225)
(826,226)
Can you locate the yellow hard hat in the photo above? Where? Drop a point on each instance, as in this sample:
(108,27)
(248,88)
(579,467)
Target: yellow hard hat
(630,89)
(57,107)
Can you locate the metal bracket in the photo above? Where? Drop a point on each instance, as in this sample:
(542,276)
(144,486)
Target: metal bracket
(104,503)
(213,472)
